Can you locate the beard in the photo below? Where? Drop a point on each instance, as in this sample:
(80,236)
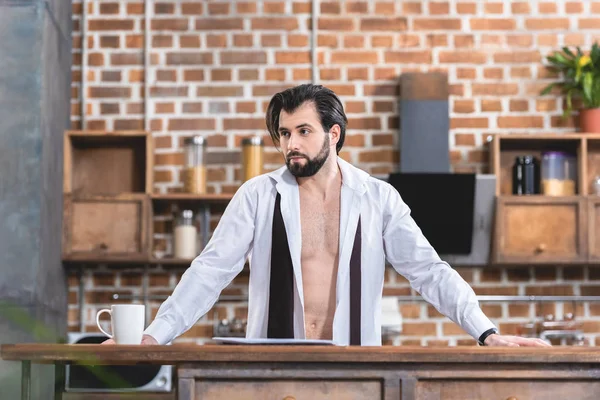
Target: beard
(312,166)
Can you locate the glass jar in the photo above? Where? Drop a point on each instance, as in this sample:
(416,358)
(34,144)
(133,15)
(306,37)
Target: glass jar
(559,173)
(252,157)
(185,236)
(596,185)
(194,171)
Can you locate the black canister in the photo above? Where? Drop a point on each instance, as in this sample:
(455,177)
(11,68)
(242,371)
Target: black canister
(526,175)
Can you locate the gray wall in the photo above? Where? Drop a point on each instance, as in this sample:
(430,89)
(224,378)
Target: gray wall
(35,73)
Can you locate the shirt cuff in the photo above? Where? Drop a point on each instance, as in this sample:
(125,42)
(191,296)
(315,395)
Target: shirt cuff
(160,330)
(477,323)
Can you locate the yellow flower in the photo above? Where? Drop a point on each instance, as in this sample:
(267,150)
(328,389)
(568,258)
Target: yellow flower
(584,60)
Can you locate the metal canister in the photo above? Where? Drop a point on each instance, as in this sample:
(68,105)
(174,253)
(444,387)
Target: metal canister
(526,175)
(194,172)
(252,157)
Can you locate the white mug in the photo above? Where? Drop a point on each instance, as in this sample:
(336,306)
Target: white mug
(127,322)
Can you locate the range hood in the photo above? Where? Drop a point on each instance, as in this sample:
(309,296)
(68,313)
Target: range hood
(454,211)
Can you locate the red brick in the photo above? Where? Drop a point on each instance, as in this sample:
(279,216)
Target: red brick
(109,108)
(496,290)
(382,41)
(495,89)
(518,57)
(547,8)
(589,23)
(219,91)
(134,41)
(218,8)
(189,124)
(364,123)
(220,75)
(408,57)
(412,8)
(408,40)
(521,7)
(492,24)
(248,74)
(302,74)
(271,40)
(246,7)
(193,75)
(357,7)
(430,24)
(385,9)
(463,57)
(192,107)
(330,7)
(128,124)
(464,106)
(164,108)
(521,122)
(111,41)
(382,139)
(95,59)
(418,329)
(493,73)
(354,107)
(216,41)
(492,40)
(464,139)
(518,105)
(192,58)
(354,41)
(439,8)
(275,23)
(574,7)
(243,123)
(297,40)
(109,8)
(192,8)
(162,41)
(166,75)
(189,41)
(466,73)
(595,8)
(301,7)
(547,40)
(211,24)
(169,91)
(354,57)
(292,57)
(243,40)
(520,72)
(549,23)
(381,89)
(110,24)
(247,107)
(471,122)
(336,24)
(379,156)
(275,74)
(327,41)
(493,8)
(466,8)
(519,40)
(136,75)
(243,57)
(386,74)
(383,24)
(554,290)
(464,41)
(135,108)
(545,105)
(127,59)
(107,92)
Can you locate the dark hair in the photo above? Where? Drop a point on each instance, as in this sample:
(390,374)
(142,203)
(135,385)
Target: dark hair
(328,106)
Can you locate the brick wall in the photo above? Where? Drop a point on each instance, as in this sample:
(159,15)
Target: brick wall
(215,65)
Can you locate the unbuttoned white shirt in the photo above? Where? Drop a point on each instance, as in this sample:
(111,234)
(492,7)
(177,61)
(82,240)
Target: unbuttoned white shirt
(388,232)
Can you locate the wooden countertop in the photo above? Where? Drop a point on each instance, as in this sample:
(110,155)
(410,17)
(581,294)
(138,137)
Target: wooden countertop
(178,354)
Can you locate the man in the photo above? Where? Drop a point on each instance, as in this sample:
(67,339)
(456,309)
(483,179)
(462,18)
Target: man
(318,232)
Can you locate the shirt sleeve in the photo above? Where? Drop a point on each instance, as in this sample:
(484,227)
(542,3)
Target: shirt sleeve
(412,256)
(222,259)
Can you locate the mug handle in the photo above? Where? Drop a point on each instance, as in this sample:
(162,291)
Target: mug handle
(98,321)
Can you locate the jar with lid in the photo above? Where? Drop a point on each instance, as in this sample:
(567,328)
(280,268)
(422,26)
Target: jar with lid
(194,172)
(526,175)
(559,173)
(185,236)
(252,157)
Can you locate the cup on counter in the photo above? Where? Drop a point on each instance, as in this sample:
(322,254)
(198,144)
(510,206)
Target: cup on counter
(127,323)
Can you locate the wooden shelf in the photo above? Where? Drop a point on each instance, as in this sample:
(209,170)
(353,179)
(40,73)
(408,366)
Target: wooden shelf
(192,197)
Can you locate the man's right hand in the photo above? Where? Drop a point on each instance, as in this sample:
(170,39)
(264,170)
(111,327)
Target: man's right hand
(146,340)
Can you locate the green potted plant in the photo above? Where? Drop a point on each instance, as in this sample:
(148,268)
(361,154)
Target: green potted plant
(580,79)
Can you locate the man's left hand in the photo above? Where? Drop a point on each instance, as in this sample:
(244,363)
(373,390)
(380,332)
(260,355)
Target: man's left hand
(514,341)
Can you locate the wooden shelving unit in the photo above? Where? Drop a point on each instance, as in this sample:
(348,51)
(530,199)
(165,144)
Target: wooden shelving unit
(541,229)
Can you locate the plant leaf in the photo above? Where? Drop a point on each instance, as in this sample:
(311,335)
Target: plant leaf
(588,81)
(568,52)
(548,88)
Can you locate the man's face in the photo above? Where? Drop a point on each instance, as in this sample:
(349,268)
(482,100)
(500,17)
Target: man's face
(303,142)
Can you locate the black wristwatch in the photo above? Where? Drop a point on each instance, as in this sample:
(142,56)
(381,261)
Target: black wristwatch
(485,334)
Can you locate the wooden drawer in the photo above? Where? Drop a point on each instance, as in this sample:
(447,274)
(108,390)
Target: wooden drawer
(288,390)
(507,390)
(106,227)
(540,229)
(594,228)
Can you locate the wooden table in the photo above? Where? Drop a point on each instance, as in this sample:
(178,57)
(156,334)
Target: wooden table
(324,372)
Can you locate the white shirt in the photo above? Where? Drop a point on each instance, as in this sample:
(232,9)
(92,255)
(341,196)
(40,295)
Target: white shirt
(388,232)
